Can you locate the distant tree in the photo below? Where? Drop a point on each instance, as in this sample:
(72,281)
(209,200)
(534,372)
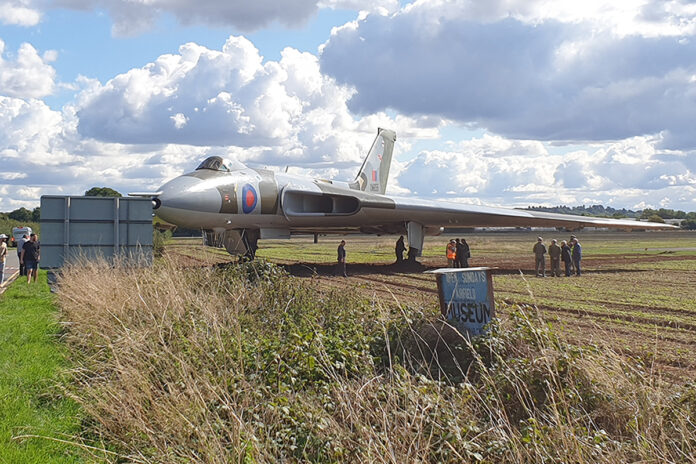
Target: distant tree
(36,214)
(671,214)
(102,192)
(646,213)
(593,210)
(21,214)
(656,218)
(688,224)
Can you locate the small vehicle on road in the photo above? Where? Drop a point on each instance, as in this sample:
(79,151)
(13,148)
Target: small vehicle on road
(17,233)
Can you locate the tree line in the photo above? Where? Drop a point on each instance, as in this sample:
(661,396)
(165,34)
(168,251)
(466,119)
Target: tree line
(688,220)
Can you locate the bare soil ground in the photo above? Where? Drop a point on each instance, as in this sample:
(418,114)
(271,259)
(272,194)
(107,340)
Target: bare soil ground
(637,293)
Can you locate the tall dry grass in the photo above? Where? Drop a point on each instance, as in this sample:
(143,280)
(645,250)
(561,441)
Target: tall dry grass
(248,365)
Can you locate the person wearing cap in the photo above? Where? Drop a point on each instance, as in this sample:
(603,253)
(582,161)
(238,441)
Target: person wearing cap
(451,253)
(3,255)
(555,256)
(539,259)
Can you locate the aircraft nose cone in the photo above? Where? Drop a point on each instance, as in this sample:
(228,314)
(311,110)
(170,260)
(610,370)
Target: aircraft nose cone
(189,194)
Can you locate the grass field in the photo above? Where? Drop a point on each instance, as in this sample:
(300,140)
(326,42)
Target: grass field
(190,362)
(638,290)
(31,358)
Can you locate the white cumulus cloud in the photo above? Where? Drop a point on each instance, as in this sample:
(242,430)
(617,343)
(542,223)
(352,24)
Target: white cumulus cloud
(134,17)
(26,74)
(498,171)
(520,70)
(275,112)
(19,13)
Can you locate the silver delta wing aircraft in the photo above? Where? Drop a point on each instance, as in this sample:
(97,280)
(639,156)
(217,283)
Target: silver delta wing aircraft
(236,205)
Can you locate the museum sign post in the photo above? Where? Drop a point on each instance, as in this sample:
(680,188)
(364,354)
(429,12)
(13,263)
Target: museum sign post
(466,297)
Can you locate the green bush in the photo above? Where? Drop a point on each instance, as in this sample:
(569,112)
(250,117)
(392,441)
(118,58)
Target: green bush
(159,238)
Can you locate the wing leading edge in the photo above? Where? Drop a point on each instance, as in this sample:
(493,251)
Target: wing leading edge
(439,213)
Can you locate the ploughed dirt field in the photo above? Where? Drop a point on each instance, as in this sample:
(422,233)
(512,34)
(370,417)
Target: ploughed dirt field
(637,293)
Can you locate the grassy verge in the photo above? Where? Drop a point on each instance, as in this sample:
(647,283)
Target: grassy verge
(246,364)
(31,359)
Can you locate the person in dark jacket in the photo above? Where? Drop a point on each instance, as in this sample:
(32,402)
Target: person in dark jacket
(577,256)
(566,258)
(341,264)
(400,248)
(457,254)
(463,253)
(539,251)
(570,244)
(555,255)
(412,254)
(30,257)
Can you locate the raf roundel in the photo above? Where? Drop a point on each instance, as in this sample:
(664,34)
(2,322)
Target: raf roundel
(249,198)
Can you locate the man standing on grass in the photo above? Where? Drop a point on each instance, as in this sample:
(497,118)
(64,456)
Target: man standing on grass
(451,251)
(3,255)
(30,257)
(399,249)
(555,255)
(457,254)
(570,244)
(463,253)
(539,259)
(566,258)
(20,245)
(341,265)
(577,256)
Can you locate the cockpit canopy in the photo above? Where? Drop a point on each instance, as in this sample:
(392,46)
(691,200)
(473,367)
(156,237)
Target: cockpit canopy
(216,163)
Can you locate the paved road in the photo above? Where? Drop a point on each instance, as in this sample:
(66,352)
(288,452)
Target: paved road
(11,264)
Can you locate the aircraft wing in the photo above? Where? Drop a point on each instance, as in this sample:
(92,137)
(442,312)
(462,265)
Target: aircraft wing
(332,207)
(451,214)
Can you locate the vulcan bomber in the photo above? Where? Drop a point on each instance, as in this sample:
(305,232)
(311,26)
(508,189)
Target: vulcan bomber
(236,205)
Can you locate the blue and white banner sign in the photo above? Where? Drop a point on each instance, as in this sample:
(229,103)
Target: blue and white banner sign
(466,297)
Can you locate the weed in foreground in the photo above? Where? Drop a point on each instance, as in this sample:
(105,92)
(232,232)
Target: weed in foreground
(246,364)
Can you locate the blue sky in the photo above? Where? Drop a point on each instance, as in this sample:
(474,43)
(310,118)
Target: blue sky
(86,46)
(508,103)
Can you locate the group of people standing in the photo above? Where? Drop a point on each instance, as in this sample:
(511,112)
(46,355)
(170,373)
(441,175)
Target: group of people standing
(570,253)
(28,253)
(458,253)
(401,247)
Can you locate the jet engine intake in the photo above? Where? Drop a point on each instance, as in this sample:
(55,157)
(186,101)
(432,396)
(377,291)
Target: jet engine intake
(303,203)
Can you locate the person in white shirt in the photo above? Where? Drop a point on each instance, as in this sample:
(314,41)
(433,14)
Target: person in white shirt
(3,255)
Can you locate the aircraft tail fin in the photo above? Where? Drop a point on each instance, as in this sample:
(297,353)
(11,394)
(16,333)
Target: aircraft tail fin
(374,172)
